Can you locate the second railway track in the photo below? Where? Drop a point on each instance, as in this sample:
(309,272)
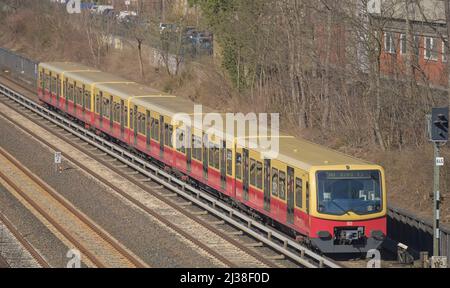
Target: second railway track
(97,247)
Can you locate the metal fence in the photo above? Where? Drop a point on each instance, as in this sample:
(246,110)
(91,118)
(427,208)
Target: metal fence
(18,66)
(415,232)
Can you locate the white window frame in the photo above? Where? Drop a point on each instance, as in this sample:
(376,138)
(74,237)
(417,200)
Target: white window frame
(433,43)
(444,55)
(391,48)
(403,38)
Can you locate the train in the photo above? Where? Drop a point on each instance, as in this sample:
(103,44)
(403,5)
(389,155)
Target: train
(330,201)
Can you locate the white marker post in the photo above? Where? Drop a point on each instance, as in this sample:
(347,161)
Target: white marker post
(58,160)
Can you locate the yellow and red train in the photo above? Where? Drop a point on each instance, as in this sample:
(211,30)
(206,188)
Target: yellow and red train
(334,202)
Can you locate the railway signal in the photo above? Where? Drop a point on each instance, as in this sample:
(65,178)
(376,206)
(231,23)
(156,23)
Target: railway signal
(438,131)
(439,125)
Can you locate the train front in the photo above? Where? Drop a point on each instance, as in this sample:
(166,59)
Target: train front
(347,208)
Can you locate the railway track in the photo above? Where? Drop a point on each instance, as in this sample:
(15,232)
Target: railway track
(5,224)
(270,247)
(98,249)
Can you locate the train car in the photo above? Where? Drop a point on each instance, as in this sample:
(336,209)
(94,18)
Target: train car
(331,201)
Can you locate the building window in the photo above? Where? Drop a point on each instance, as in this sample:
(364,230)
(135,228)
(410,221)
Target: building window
(444,51)
(431,51)
(403,44)
(417,46)
(389,44)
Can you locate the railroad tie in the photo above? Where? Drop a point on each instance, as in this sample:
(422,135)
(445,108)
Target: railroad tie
(200,213)
(235,233)
(275,257)
(219,222)
(254,245)
(132,173)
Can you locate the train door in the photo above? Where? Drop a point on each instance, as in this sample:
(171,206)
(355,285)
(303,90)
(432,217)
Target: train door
(100,108)
(122,118)
(223,165)
(148,125)
(290,195)
(135,126)
(111,111)
(161,136)
(246,173)
(83,100)
(66,93)
(188,148)
(205,155)
(267,164)
(58,90)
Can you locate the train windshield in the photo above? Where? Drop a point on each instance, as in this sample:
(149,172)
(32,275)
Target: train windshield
(341,192)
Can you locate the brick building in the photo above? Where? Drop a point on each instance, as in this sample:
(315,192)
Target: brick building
(421,31)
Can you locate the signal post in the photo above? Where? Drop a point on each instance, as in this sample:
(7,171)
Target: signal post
(439,136)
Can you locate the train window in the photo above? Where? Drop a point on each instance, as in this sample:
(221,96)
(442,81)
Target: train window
(66,88)
(197,148)
(49,82)
(252,172)
(229,162)
(97,104)
(274,182)
(116,114)
(298,192)
(282,185)
(131,119)
(125,116)
(58,86)
(54,85)
(105,108)
(42,78)
(70,92)
(259,175)
(169,134)
(214,156)
(216,152)
(87,100)
(211,155)
(238,166)
(155,129)
(181,145)
(141,123)
(79,96)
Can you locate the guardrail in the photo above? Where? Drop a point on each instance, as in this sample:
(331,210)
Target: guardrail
(19,66)
(415,232)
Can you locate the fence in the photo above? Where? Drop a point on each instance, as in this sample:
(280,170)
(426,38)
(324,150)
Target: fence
(18,66)
(416,233)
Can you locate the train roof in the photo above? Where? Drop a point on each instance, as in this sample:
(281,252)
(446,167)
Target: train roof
(61,67)
(292,151)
